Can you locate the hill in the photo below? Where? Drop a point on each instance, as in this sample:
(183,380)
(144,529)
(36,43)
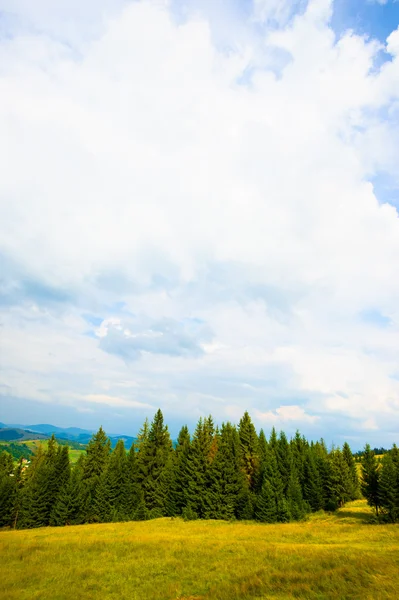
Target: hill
(328,557)
(8,434)
(72,434)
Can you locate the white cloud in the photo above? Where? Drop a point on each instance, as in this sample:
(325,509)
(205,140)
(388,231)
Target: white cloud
(137,168)
(114,401)
(286,413)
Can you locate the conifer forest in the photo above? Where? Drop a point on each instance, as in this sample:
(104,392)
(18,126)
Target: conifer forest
(219,473)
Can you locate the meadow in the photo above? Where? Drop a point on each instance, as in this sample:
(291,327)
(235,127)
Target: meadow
(73,452)
(341,555)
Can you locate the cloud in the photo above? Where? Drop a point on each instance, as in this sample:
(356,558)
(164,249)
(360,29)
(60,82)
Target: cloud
(211,202)
(286,413)
(277,12)
(130,339)
(113,401)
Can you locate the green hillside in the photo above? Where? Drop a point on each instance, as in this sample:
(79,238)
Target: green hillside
(74,452)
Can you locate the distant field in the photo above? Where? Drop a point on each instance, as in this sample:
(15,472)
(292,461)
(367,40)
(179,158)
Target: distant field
(339,556)
(73,454)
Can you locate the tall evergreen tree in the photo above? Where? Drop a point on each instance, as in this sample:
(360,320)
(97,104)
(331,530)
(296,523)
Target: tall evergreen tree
(153,462)
(370,478)
(7,488)
(131,491)
(312,485)
(226,481)
(97,455)
(284,460)
(200,460)
(341,477)
(181,474)
(353,475)
(249,443)
(387,488)
(69,508)
(296,504)
(266,506)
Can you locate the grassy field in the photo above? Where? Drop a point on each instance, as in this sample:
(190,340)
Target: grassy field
(33,444)
(330,556)
(73,453)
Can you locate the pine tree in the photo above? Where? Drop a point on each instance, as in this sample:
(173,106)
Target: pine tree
(50,469)
(116,478)
(226,481)
(354,479)
(199,462)
(180,475)
(141,512)
(131,491)
(266,506)
(370,479)
(284,460)
(296,504)
(69,507)
(249,444)
(94,466)
(312,485)
(97,455)
(341,478)
(152,460)
(387,488)
(7,488)
(102,507)
(299,449)
(272,487)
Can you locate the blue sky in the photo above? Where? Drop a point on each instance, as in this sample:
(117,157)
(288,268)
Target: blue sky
(199,213)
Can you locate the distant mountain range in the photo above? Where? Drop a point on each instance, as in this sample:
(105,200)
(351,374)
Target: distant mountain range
(18,432)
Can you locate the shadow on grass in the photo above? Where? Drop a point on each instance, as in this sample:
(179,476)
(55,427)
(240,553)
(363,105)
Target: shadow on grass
(354,516)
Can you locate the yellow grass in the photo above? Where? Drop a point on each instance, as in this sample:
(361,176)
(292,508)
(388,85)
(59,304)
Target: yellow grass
(338,556)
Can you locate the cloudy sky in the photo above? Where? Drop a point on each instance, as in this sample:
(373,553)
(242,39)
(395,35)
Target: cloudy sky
(199,212)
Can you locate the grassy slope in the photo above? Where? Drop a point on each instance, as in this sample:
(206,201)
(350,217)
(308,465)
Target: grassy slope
(338,557)
(73,454)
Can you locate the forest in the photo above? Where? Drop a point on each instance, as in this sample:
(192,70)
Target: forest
(227,473)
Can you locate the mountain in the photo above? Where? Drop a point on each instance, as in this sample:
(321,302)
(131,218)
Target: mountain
(65,432)
(15,434)
(45,430)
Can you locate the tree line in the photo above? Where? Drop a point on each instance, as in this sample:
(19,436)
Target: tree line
(217,473)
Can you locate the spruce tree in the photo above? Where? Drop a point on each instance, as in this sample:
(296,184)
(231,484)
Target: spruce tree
(299,450)
(249,445)
(272,487)
(94,467)
(341,478)
(7,488)
(116,478)
(387,488)
(283,455)
(180,475)
(266,506)
(226,482)
(296,504)
(131,491)
(199,463)
(312,485)
(152,462)
(70,504)
(97,455)
(370,478)
(354,479)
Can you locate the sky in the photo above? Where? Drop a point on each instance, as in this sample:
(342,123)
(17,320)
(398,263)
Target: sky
(199,213)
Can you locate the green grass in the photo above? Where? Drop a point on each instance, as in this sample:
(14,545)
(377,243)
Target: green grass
(338,556)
